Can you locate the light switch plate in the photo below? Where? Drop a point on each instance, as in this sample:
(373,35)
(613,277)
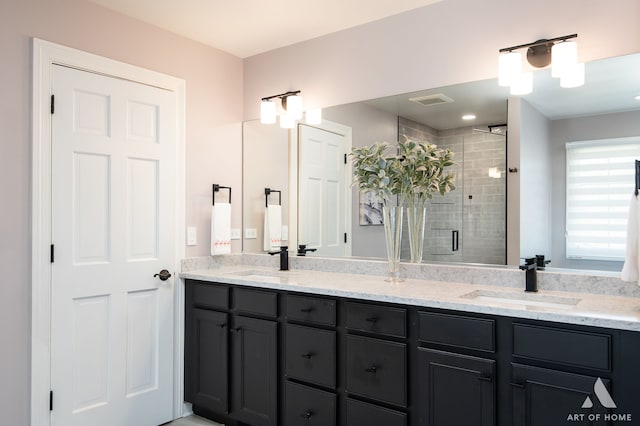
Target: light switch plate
(251,233)
(235,233)
(191,236)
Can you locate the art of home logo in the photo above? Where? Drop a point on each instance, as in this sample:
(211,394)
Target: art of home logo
(605,400)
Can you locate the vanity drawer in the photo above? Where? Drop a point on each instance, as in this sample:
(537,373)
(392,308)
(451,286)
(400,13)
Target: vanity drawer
(458,331)
(376,369)
(360,413)
(209,296)
(255,302)
(377,319)
(305,406)
(311,309)
(575,348)
(310,355)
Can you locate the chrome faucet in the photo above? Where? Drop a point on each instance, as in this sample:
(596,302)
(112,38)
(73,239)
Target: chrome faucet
(531,278)
(284,257)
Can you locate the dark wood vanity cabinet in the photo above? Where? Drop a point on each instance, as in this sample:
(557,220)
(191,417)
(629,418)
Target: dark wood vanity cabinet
(266,358)
(376,364)
(231,365)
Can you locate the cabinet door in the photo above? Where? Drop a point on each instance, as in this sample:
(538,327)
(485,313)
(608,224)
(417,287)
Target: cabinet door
(255,371)
(206,362)
(456,390)
(543,397)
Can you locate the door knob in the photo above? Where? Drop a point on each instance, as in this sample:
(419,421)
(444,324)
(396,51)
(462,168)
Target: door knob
(163,275)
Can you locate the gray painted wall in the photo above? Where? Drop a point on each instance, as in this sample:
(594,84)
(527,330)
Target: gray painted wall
(535,183)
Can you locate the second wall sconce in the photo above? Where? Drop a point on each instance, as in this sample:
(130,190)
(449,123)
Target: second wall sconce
(291,103)
(561,53)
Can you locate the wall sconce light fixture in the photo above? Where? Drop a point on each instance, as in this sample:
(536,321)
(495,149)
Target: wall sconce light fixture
(291,103)
(561,53)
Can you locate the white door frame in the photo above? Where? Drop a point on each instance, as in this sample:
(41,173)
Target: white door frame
(45,56)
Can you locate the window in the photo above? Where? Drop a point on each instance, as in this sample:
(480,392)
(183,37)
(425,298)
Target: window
(600,181)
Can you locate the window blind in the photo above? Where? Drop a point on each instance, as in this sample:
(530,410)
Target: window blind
(600,182)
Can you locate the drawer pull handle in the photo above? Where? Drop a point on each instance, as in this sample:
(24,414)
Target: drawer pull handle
(373,369)
(306,310)
(307,415)
(237,329)
(485,378)
(519,385)
(308,355)
(373,319)
(222,325)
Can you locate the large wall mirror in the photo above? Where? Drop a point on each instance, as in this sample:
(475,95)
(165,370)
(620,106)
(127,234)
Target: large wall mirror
(468,225)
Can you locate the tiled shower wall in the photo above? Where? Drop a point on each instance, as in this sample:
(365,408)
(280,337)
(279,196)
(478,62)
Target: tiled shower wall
(477,208)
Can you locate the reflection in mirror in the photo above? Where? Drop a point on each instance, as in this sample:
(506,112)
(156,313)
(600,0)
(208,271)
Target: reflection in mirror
(264,165)
(540,124)
(468,224)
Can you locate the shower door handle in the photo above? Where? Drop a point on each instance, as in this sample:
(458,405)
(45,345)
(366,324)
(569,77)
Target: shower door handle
(455,243)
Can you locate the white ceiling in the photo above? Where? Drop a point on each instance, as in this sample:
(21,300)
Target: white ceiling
(248,27)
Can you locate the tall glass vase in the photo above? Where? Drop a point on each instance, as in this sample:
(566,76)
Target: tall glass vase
(392,220)
(416,219)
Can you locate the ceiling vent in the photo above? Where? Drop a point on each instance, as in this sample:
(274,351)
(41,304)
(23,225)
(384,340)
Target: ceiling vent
(438,98)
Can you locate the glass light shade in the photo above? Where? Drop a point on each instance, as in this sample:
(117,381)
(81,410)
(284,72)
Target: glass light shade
(563,56)
(268,112)
(573,76)
(509,67)
(523,84)
(294,106)
(313,116)
(287,122)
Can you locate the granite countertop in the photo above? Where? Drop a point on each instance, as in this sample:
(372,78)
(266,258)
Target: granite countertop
(597,310)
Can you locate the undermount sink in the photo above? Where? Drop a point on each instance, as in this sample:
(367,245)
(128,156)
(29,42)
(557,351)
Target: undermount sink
(264,276)
(523,299)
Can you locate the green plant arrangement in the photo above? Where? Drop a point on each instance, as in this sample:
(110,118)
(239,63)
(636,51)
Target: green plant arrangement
(406,178)
(423,175)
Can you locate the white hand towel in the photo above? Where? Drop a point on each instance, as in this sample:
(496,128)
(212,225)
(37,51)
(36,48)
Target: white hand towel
(272,227)
(630,268)
(220,228)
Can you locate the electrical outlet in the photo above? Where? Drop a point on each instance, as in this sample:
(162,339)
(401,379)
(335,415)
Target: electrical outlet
(235,233)
(251,233)
(191,236)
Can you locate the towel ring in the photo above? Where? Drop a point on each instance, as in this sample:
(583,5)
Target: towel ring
(267,192)
(217,188)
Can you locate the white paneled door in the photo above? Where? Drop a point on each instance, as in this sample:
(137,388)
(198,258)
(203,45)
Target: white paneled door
(113,178)
(322,191)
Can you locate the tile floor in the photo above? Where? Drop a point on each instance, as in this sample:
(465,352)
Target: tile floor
(192,421)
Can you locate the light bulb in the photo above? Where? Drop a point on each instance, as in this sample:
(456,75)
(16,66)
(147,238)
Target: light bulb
(509,67)
(523,84)
(294,106)
(267,112)
(563,56)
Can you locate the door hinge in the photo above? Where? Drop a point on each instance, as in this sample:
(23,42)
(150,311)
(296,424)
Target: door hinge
(53,103)
(50,400)
(345,159)
(345,237)
(52,253)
